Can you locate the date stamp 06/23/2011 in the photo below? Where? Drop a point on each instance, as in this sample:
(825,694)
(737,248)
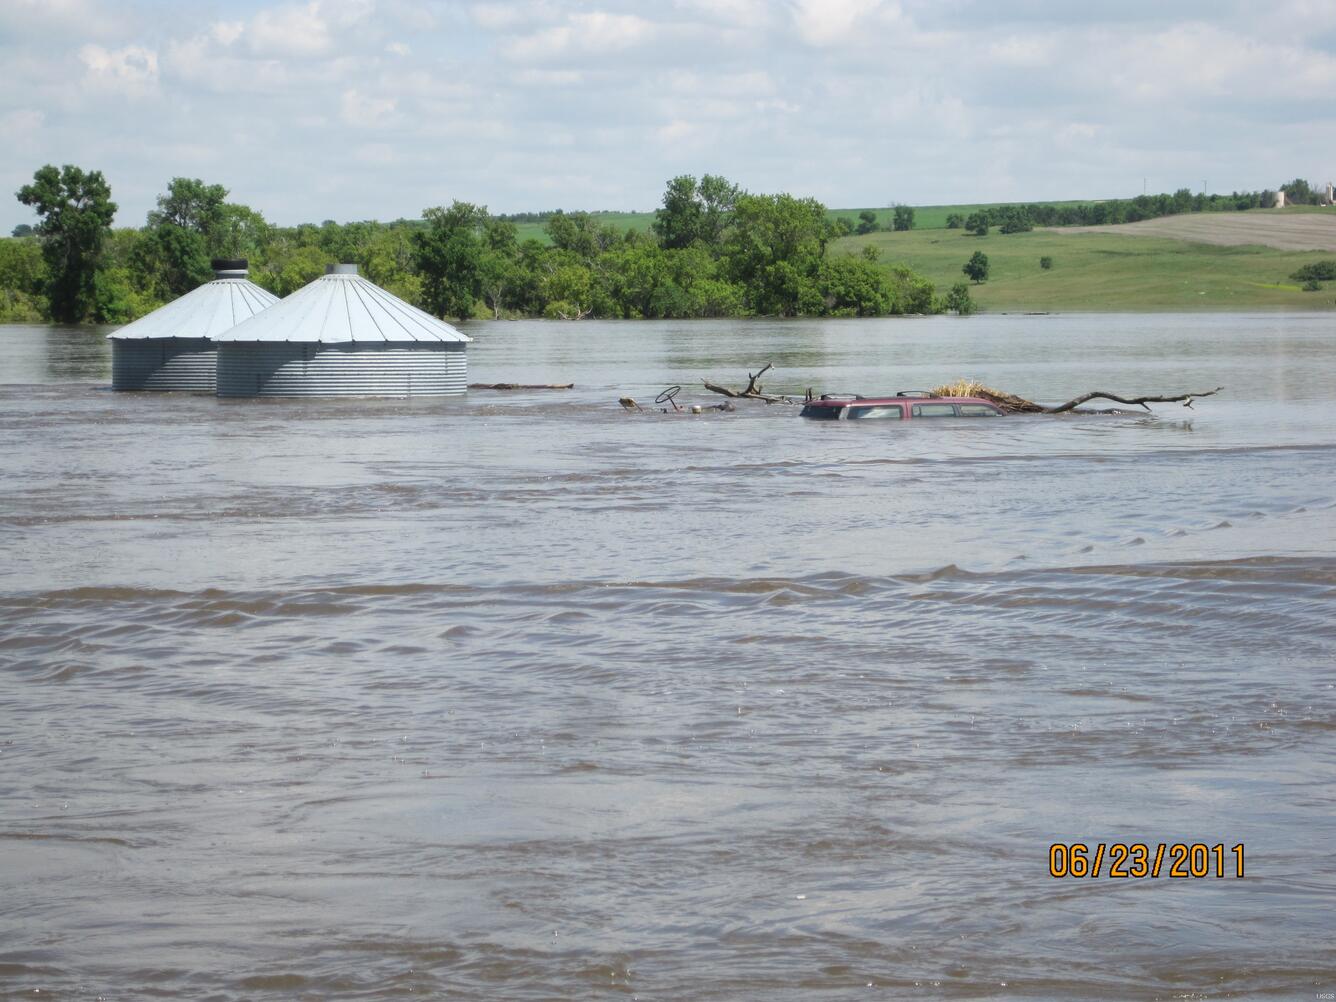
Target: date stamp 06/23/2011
(1136,860)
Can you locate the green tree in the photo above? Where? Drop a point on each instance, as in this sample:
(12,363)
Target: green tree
(718,197)
(240,232)
(171,260)
(694,211)
(774,251)
(447,253)
(912,293)
(76,210)
(678,223)
(976,267)
(22,230)
(22,276)
(854,287)
(954,221)
(959,300)
(904,218)
(1300,192)
(192,205)
(867,222)
(1046,262)
(977,223)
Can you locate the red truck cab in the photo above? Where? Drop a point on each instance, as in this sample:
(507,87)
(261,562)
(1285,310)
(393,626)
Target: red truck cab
(909,405)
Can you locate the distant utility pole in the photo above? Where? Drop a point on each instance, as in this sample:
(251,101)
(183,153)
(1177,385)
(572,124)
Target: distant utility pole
(1203,186)
(1143,186)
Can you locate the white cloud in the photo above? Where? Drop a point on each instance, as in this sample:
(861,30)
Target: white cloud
(366,112)
(290,31)
(132,70)
(830,22)
(585,34)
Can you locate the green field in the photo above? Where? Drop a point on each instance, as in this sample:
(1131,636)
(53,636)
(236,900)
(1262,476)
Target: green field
(1103,271)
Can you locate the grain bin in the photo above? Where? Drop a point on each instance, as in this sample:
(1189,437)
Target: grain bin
(172,348)
(342,335)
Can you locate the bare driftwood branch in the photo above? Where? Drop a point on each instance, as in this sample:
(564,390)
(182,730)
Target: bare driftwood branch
(1184,398)
(521,386)
(753,391)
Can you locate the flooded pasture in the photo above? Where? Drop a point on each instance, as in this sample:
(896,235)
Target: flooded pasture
(519,695)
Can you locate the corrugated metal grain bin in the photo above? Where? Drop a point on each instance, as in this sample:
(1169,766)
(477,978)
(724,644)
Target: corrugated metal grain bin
(342,336)
(172,348)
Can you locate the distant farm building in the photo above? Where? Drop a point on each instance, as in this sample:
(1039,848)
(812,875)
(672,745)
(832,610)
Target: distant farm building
(172,348)
(342,335)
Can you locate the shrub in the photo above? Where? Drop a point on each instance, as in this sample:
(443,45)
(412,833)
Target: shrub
(959,299)
(1318,271)
(1312,285)
(1046,262)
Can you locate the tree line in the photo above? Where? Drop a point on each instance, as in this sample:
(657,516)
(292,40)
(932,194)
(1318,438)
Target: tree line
(714,250)
(1023,217)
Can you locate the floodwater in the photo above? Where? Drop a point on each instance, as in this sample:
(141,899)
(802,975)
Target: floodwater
(523,696)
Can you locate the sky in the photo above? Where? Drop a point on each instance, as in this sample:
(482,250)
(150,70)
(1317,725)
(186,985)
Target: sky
(377,109)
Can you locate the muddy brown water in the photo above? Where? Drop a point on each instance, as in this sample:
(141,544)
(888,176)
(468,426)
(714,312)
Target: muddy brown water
(520,696)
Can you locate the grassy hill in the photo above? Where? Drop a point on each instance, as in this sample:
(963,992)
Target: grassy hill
(1102,270)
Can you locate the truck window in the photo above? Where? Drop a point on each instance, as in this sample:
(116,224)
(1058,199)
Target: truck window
(934,410)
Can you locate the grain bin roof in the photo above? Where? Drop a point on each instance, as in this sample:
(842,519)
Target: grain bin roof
(343,307)
(206,311)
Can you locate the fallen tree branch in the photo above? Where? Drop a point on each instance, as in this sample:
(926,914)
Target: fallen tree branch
(521,386)
(753,390)
(1184,398)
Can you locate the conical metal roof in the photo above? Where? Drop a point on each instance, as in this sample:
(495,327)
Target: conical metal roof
(342,307)
(206,311)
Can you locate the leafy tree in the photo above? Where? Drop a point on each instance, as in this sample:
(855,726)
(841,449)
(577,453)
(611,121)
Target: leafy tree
(774,251)
(842,226)
(913,294)
(569,291)
(1312,285)
(22,276)
(694,211)
(718,197)
(76,210)
(1318,271)
(1046,262)
(171,260)
(871,253)
(959,300)
(678,223)
(22,230)
(289,270)
(954,221)
(867,222)
(192,205)
(977,223)
(854,287)
(240,232)
(1013,219)
(904,218)
(580,233)
(447,253)
(976,267)
(1299,192)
